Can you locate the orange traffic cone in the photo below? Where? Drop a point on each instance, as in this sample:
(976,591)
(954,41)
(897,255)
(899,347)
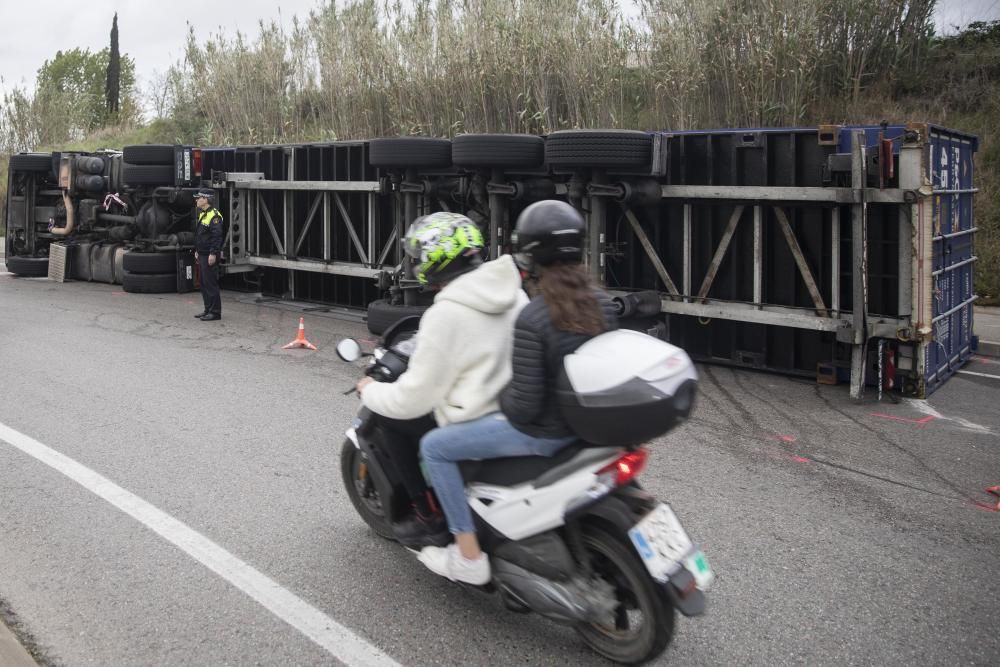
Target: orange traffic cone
(300,338)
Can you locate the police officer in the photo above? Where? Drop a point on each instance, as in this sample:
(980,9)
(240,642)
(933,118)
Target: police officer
(207,249)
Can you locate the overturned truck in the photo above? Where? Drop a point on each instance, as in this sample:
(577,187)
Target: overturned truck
(109,216)
(837,253)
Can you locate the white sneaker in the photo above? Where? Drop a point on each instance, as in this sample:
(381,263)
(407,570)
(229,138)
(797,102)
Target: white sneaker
(449,562)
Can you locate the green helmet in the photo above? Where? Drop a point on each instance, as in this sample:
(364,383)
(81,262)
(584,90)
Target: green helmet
(442,246)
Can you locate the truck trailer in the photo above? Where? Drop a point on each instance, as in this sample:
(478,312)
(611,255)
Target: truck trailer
(839,253)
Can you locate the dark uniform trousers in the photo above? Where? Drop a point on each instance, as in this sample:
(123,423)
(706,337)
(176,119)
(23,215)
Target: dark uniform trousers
(208,241)
(210,292)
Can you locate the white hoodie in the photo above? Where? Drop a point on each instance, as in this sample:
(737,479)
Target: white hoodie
(462,357)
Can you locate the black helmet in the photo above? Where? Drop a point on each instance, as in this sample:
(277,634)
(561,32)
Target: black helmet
(546,232)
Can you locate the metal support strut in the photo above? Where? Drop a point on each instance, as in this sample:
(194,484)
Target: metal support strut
(859,266)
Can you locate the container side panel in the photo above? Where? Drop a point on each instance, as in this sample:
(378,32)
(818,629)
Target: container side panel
(951,167)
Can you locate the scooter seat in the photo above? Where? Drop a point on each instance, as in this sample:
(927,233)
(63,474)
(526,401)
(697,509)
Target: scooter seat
(515,470)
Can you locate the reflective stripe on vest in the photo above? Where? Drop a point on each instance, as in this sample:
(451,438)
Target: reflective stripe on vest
(205,217)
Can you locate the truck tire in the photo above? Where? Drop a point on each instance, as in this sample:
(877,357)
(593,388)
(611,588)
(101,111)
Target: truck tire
(149,283)
(382,315)
(409,152)
(152,154)
(150,262)
(599,148)
(497,150)
(31,267)
(31,162)
(148,175)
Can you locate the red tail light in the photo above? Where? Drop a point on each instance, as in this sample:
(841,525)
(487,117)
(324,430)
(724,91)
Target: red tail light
(627,467)
(196,160)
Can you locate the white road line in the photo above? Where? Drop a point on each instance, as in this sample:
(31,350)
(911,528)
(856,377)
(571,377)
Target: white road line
(314,624)
(982,375)
(926,408)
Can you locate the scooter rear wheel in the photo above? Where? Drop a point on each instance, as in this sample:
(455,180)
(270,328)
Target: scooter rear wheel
(361,489)
(644,618)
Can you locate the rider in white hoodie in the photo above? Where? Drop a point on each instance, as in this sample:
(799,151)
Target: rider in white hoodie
(462,358)
(461,362)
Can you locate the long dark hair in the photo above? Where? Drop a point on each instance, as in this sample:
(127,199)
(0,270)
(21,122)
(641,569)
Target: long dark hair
(569,295)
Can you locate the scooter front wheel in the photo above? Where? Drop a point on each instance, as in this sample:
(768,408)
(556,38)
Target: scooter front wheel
(643,622)
(361,490)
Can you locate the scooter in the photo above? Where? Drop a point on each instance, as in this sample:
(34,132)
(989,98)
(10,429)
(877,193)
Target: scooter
(572,537)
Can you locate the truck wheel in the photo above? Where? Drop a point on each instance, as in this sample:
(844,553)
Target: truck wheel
(31,162)
(148,175)
(32,267)
(149,283)
(382,315)
(599,148)
(150,262)
(152,154)
(497,150)
(409,152)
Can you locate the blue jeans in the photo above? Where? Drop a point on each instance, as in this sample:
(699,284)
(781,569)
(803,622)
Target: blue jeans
(489,437)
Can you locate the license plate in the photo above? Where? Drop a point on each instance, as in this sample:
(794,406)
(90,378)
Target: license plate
(664,547)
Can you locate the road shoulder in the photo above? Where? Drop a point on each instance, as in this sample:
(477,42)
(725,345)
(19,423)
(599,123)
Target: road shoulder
(12,654)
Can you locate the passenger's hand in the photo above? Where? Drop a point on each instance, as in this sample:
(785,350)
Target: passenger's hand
(362,383)
(211,260)
(196,255)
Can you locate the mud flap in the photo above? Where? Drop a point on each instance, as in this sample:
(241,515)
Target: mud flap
(689,604)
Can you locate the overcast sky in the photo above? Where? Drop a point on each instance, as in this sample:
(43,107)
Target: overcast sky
(153,32)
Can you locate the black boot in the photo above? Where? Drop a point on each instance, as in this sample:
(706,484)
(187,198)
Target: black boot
(422,529)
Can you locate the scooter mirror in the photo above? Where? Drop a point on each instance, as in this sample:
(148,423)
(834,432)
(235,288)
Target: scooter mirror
(349,349)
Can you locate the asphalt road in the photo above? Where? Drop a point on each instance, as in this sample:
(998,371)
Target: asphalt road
(841,532)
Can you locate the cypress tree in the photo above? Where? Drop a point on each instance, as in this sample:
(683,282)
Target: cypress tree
(112,86)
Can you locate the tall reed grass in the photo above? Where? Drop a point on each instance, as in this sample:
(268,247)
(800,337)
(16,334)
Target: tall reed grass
(366,68)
